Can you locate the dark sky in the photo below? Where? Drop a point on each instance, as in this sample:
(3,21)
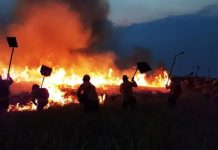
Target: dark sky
(124,12)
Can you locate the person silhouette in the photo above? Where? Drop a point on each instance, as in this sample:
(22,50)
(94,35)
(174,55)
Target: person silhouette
(39,96)
(175,91)
(128,100)
(5,93)
(87,95)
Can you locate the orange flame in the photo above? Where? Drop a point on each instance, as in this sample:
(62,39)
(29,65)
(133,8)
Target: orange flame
(60,79)
(53,34)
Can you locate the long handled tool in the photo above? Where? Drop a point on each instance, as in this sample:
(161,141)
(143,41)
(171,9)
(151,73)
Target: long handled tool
(12,42)
(171,69)
(196,73)
(142,67)
(45,71)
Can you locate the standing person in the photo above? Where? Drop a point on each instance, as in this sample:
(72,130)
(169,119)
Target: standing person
(87,95)
(5,92)
(39,96)
(175,91)
(128,100)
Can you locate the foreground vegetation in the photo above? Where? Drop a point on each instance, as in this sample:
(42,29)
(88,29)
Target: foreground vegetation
(153,125)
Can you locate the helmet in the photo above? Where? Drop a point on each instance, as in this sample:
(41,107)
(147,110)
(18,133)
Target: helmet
(125,78)
(35,86)
(86,78)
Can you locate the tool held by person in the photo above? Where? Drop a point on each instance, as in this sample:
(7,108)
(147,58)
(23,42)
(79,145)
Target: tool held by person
(143,67)
(45,71)
(171,69)
(12,42)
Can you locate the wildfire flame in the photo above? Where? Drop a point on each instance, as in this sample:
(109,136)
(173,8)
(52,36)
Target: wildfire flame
(55,34)
(61,78)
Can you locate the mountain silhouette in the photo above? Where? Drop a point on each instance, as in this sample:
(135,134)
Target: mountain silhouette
(195,34)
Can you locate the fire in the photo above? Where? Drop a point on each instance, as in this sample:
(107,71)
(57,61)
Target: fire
(55,34)
(68,79)
(18,107)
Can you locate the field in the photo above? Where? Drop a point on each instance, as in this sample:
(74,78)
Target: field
(153,125)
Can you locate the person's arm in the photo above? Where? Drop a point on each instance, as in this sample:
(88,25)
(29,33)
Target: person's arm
(121,88)
(78,93)
(95,93)
(10,80)
(134,84)
(33,98)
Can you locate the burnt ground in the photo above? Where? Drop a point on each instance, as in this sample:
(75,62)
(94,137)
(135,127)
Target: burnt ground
(153,125)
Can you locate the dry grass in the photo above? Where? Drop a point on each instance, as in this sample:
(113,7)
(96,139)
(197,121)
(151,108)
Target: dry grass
(152,126)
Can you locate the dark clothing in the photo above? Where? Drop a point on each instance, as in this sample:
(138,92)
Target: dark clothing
(175,92)
(5,93)
(41,105)
(41,95)
(88,96)
(4,103)
(5,87)
(126,87)
(91,106)
(128,100)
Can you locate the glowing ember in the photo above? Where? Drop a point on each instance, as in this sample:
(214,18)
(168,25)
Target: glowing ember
(18,107)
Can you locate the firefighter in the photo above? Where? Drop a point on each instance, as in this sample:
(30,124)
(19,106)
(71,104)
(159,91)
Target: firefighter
(39,96)
(175,91)
(87,95)
(128,100)
(5,92)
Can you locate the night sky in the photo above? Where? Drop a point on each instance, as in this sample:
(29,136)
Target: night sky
(162,28)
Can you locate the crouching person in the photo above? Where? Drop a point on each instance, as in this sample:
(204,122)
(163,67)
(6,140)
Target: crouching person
(39,96)
(87,95)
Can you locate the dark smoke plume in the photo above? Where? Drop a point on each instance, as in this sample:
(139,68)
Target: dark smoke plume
(137,54)
(46,27)
(93,13)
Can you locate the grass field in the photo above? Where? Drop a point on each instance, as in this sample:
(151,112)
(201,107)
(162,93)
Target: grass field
(153,125)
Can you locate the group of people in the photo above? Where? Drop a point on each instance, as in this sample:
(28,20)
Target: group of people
(86,94)
(39,96)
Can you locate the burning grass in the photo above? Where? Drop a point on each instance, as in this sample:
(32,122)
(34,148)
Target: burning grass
(63,83)
(67,39)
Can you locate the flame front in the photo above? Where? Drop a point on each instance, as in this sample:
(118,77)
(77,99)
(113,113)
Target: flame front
(63,79)
(54,34)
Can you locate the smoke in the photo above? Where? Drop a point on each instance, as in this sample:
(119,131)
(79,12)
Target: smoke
(137,54)
(59,33)
(92,13)
(75,34)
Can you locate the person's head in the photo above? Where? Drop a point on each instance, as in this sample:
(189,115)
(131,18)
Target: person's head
(86,78)
(125,78)
(35,87)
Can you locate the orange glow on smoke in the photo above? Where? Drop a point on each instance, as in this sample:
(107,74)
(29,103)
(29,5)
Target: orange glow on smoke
(53,34)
